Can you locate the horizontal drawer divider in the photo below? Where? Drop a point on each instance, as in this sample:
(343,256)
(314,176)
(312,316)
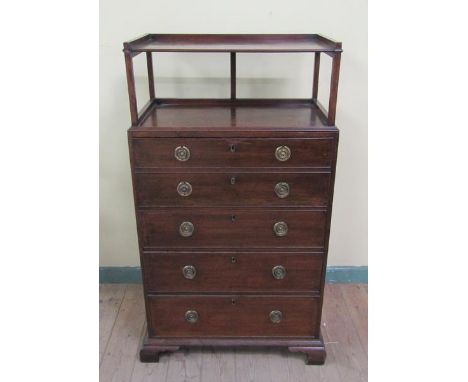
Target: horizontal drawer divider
(244,341)
(221,169)
(239,249)
(230,206)
(235,133)
(231,251)
(257,293)
(236,207)
(229,295)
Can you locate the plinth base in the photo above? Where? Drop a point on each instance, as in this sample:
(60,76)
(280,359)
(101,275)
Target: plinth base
(314,349)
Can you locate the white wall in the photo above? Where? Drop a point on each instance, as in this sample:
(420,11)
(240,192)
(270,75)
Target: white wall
(196,75)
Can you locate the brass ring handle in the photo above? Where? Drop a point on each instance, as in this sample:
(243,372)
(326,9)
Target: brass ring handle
(283,153)
(276,316)
(184,188)
(279,272)
(280,228)
(182,153)
(191,316)
(186,229)
(282,190)
(189,272)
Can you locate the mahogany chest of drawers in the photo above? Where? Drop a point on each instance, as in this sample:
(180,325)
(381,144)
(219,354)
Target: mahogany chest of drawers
(233,205)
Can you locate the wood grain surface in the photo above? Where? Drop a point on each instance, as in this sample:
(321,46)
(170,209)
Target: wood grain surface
(233,43)
(232,228)
(232,272)
(233,316)
(232,188)
(232,152)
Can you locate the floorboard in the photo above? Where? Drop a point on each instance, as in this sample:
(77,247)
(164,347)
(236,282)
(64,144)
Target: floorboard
(122,326)
(121,351)
(344,342)
(150,372)
(277,358)
(110,299)
(355,297)
(210,366)
(243,359)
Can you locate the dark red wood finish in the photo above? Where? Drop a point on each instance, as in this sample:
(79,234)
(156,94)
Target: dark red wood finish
(316,76)
(311,152)
(313,348)
(233,272)
(334,89)
(131,88)
(233,75)
(233,188)
(233,316)
(240,114)
(232,228)
(253,43)
(149,63)
(233,171)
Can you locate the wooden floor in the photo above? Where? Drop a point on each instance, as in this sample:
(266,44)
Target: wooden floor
(122,324)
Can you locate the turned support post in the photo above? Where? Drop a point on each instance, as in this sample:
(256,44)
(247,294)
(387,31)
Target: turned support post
(233,75)
(149,64)
(131,87)
(335,77)
(316,76)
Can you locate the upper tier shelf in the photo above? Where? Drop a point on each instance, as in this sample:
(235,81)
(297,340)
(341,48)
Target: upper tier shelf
(233,43)
(224,117)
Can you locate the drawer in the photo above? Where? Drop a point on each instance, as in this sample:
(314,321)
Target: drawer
(232,188)
(304,152)
(231,228)
(166,272)
(234,316)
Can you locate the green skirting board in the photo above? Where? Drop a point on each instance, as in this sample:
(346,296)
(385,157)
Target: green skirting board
(132,275)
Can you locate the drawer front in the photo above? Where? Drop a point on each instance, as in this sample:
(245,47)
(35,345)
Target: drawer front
(231,188)
(228,272)
(237,316)
(231,228)
(304,152)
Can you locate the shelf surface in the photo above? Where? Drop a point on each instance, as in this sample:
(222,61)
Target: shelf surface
(233,43)
(194,116)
